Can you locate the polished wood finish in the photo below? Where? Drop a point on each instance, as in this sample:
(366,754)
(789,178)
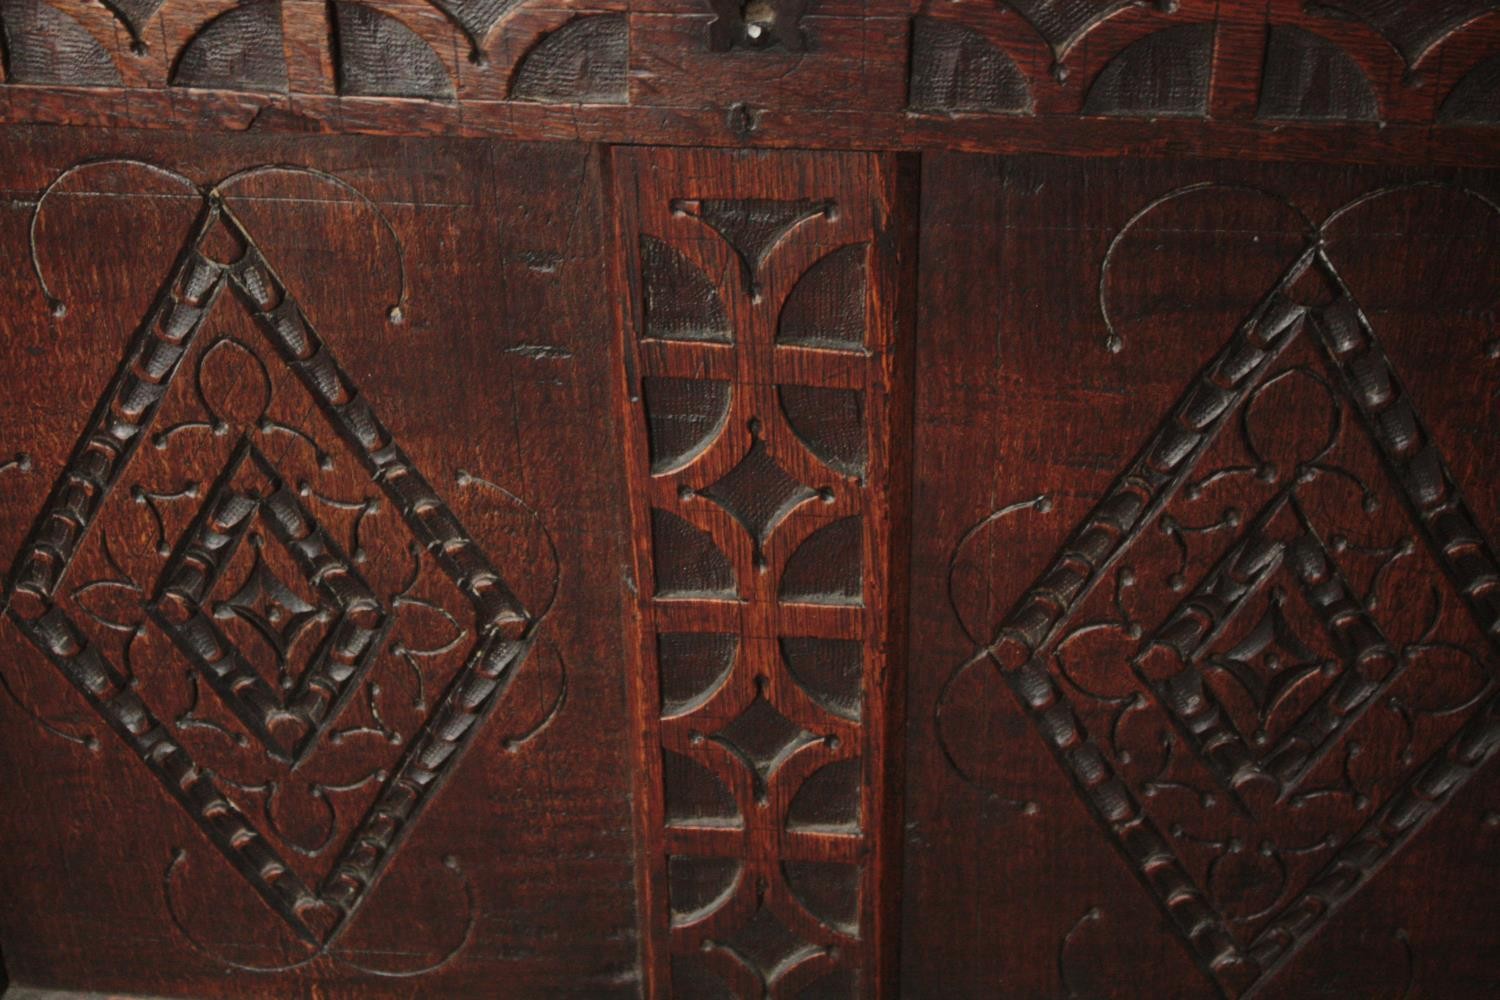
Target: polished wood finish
(795,498)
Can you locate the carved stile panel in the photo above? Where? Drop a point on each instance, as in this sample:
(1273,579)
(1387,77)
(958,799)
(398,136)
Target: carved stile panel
(763,363)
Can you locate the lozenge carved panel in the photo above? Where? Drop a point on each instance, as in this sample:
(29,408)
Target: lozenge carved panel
(282,693)
(1232,636)
(763,367)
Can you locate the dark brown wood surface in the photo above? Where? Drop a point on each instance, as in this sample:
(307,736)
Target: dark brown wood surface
(796,499)
(1363,80)
(1203,614)
(466,318)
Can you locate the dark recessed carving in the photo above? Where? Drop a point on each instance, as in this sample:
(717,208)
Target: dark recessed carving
(378,56)
(251,502)
(683,416)
(45,46)
(1413,27)
(763,739)
(1308,77)
(1476,99)
(752,227)
(1063,22)
(831,422)
(693,666)
(678,300)
(284,637)
(241,49)
(1165,74)
(826,308)
(766,947)
(134,14)
(828,889)
(831,671)
(1270,659)
(694,795)
(775,712)
(688,563)
(699,886)
(758,493)
(955,69)
(477,18)
(583,62)
(828,567)
(828,800)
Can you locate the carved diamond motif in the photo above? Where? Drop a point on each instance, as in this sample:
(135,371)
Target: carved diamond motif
(763,738)
(768,948)
(248,496)
(759,493)
(299,577)
(1288,601)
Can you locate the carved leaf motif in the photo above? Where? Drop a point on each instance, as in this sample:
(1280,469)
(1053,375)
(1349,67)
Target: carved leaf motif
(694,795)
(830,422)
(684,416)
(827,306)
(688,563)
(828,567)
(693,665)
(831,671)
(700,886)
(829,800)
(828,889)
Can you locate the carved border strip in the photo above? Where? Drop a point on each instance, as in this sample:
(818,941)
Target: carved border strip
(1244,78)
(767,228)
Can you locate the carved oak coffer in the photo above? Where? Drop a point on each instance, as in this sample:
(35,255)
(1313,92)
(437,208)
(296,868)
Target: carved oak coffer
(790,499)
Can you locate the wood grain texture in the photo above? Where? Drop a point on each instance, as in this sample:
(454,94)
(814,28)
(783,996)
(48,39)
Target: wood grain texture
(767,487)
(300,685)
(1380,82)
(1204,564)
